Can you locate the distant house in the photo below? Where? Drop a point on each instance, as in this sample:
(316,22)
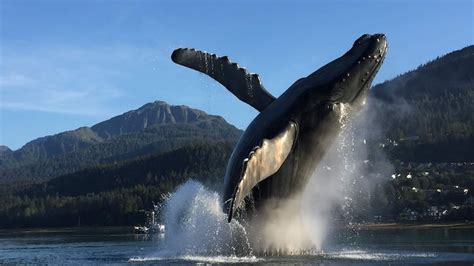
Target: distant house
(409,215)
(434,212)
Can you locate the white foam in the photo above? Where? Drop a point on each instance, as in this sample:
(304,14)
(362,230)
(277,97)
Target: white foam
(375,256)
(208,259)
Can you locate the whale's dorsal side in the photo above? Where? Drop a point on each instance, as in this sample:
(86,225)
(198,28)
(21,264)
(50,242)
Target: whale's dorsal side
(246,86)
(262,162)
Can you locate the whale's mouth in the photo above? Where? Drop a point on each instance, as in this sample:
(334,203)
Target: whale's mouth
(369,69)
(348,77)
(361,63)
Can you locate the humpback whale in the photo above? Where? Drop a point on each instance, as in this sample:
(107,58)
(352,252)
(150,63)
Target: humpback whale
(282,146)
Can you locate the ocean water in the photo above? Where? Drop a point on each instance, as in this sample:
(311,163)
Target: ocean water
(197,232)
(429,246)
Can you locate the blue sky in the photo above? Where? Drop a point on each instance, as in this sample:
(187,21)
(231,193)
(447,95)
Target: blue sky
(66,64)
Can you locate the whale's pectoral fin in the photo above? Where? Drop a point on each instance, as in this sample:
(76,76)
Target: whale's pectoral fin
(262,162)
(246,86)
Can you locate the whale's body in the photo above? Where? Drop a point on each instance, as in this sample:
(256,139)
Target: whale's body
(281,147)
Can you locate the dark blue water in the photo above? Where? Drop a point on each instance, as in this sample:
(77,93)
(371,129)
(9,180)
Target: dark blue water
(434,246)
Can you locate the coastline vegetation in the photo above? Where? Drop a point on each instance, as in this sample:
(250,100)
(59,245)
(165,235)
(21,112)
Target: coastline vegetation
(117,195)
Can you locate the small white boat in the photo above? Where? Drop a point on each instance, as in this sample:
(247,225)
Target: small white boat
(141,229)
(151,226)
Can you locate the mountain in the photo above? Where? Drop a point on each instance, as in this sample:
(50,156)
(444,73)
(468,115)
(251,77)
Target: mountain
(111,194)
(156,113)
(50,146)
(147,116)
(152,129)
(428,112)
(4,150)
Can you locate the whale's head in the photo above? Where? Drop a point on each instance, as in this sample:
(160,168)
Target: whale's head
(348,78)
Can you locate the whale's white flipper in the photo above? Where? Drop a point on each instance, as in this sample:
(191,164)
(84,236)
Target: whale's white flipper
(262,162)
(246,86)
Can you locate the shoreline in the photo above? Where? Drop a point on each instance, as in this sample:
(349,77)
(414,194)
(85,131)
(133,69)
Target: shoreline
(72,230)
(129,229)
(454,225)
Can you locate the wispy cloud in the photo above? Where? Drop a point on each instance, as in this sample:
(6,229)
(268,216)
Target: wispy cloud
(80,101)
(12,80)
(66,79)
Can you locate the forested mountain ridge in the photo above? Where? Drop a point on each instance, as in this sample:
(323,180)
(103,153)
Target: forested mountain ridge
(111,194)
(4,149)
(153,129)
(429,111)
(147,116)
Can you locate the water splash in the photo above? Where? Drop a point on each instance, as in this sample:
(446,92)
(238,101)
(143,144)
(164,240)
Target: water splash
(282,229)
(299,225)
(333,195)
(196,225)
(338,194)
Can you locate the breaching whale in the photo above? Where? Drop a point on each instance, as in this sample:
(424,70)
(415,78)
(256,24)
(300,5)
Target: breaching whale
(281,147)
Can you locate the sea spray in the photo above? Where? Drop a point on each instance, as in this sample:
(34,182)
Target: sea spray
(336,196)
(197,226)
(280,229)
(298,225)
(331,186)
